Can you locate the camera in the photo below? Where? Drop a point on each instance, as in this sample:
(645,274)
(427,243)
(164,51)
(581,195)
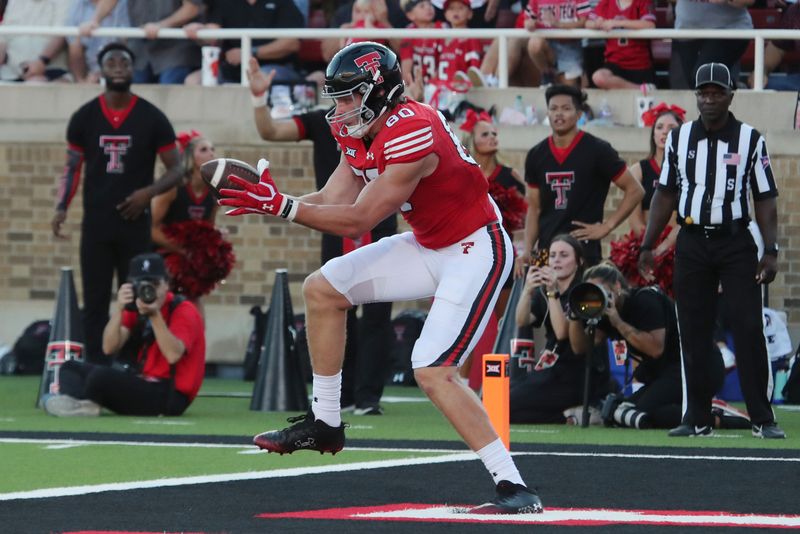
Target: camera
(587,301)
(146,290)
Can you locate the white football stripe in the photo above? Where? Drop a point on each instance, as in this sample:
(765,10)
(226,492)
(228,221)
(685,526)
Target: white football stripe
(421,131)
(221,164)
(412,142)
(411,150)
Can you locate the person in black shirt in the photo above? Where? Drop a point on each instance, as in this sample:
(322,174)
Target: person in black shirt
(710,167)
(555,383)
(367,348)
(118,135)
(279,55)
(568,175)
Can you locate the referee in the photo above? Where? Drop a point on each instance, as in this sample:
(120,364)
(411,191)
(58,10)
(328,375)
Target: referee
(709,169)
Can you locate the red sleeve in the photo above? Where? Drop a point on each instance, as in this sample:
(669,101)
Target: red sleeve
(185,323)
(411,140)
(129,319)
(301,128)
(600,10)
(167,147)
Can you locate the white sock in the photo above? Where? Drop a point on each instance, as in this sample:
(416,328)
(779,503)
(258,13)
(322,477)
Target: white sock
(498,462)
(326,392)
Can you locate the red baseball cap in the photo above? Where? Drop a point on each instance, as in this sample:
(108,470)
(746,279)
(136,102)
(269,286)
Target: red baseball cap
(448,2)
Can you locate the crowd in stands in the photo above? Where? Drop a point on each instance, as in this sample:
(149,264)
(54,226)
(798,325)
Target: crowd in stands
(437,62)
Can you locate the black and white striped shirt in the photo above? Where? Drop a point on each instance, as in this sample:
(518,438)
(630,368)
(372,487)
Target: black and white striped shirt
(714,172)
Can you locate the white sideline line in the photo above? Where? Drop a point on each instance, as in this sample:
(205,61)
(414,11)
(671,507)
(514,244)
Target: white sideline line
(229,477)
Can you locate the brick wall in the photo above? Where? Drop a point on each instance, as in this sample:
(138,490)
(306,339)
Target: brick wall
(31,257)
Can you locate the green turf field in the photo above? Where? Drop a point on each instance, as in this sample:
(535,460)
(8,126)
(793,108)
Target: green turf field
(29,465)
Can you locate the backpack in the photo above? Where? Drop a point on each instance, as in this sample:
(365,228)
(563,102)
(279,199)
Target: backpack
(27,355)
(407,326)
(253,351)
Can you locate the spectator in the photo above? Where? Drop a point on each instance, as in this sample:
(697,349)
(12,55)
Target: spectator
(521,70)
(708,15)
(481,18)
(119,135)
(189,201)
(368,344)
(556,60)
(775,53)
(279,55)
(420,53)
(395,14)
(2,9)
(167,331)
(167,61)
(458,56)
(662,119)
(19,51)
(82,51)
(628,64)
(365,14)
(568,175)
(556,382)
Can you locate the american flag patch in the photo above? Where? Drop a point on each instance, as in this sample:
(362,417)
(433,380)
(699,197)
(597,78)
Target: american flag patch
(731,159)
(765,161)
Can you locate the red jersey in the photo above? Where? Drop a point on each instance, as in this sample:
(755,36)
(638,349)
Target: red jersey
(450,203)
(628,54)
(186,324)
(459,55)
(423,52)
(540,11)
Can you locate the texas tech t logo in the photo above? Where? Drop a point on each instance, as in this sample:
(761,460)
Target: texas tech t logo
(560,183)
(115,146)
(372,63)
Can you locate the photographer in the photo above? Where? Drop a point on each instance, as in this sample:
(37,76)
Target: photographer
(165,331)
(642,326)
(556,381)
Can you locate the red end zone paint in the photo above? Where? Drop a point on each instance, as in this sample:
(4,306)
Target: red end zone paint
(553,516)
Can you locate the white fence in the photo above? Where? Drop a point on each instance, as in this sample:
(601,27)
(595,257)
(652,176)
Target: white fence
(503,35)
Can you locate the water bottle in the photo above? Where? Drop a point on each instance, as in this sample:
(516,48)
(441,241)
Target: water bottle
(530,115)
(519,105)
(605,117)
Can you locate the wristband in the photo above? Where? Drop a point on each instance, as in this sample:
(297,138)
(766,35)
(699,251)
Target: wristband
(259,101)
(289,211)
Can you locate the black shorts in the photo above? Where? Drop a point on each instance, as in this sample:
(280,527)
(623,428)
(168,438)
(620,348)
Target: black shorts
(634,76)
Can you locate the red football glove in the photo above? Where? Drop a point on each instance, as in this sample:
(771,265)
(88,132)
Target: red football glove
(263,197)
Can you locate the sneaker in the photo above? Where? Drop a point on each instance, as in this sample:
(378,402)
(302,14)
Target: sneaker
(476,77)
(768,431)
(368,410)
(574,415)
(690,431)
(511,499)
(66,406)
(305,433)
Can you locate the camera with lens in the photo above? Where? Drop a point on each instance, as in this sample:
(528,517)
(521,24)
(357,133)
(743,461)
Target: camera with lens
(588,301)
(146,290)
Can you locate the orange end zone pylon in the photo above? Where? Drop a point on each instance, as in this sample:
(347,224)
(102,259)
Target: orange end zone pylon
(496,394)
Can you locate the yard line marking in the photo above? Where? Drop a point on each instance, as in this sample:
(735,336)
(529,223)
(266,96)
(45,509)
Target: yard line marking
(552,516)
(641,456)
(162,422)
(231,477)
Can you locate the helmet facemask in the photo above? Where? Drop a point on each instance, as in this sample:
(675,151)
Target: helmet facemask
(348,97)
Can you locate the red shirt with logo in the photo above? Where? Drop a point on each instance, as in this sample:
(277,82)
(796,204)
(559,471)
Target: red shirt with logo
(629,54)
(450,203)
(459,55)
(424,52)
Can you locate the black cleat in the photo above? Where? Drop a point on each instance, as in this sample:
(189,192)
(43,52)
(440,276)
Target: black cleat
(768,431)
(690,431)
(306,433)
(511,499)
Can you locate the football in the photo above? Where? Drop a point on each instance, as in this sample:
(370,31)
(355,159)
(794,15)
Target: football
(215,173)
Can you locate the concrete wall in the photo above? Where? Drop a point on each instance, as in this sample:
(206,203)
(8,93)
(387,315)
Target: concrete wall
(32,128)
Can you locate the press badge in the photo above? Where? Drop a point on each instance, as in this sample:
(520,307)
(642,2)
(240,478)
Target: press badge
(620,351)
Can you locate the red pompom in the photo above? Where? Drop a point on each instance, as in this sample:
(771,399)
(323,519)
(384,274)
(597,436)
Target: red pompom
(625,255)
(208,259)
(512,204)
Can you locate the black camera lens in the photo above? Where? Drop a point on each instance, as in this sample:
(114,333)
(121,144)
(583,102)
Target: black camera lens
(147,292)
(588,301)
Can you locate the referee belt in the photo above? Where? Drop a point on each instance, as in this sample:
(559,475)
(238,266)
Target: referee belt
(711,231)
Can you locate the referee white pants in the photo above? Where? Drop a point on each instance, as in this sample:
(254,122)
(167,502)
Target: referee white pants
(464,278)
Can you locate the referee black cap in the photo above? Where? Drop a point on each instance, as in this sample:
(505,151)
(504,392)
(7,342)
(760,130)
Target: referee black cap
(115,45)
(713,73)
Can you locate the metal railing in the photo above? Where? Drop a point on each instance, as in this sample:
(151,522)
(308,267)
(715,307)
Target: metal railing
(246,35)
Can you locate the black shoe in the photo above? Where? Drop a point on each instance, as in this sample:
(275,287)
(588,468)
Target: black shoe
(305,433)
(511,499)
(768,431)
(690,431)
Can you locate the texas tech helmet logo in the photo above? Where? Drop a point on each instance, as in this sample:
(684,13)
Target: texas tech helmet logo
(371,62)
